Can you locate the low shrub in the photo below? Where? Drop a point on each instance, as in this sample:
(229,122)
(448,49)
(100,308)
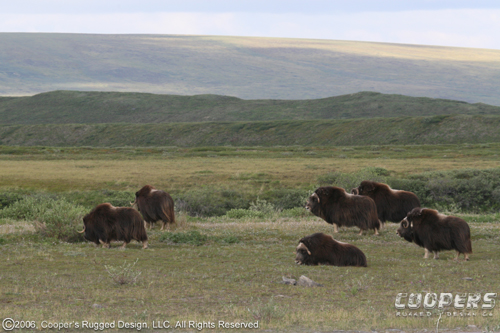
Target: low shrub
(8,198)
(58,219)
(208,201)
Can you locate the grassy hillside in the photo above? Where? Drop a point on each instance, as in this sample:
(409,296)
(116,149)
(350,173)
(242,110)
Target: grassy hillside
(377,131)
(67,107)
(245,67)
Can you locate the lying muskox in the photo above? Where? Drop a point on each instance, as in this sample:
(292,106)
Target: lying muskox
(155,205)
(323,249)
(339,208)
(392,205)
(107,223)
(436,232)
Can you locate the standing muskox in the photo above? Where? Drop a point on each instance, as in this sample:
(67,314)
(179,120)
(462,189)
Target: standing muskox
(339,208)
(106,223)
(392,205)
(155,205)
(323,249)
(436,232)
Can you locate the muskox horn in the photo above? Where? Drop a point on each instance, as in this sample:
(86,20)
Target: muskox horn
(81,232)
(405,223)
(302,246)
(315,195)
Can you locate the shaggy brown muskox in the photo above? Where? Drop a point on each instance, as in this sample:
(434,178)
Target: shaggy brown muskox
(323,249)
(339,208)
(436,232)
(155,205)
(106,223)
(392,205)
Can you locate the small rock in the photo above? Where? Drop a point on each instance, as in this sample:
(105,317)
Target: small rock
(468,278)
(307,282)
(289,281)
(97,306)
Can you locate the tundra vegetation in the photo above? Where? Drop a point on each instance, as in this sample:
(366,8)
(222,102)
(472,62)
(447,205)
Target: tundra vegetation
(240,213)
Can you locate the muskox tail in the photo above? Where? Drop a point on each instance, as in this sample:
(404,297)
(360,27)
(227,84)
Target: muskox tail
(171,216)
(463,243)
(139,230)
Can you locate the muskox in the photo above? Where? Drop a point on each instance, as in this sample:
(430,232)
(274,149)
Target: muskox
(392,205)
(155,205)
(106,223)
(436,232)
(323,249)
(339,208)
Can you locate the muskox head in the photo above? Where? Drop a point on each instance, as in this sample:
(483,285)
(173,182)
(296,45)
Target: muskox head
(87,228)
(302,254)
(313,203)
(365,188)
(405,229)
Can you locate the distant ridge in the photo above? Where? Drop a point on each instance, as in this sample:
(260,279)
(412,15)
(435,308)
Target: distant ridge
(244,67)
(76,107)
(353,132)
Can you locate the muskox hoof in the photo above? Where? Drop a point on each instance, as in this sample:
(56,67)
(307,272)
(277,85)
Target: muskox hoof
(144,245)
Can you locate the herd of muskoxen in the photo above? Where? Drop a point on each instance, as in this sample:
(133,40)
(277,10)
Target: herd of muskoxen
(367,207)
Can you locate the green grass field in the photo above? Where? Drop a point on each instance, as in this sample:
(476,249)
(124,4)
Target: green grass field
(234,272)
(240,282)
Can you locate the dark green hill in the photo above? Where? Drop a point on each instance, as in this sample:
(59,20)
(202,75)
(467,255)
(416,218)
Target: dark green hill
(376,131)
(72,107)
(245,67)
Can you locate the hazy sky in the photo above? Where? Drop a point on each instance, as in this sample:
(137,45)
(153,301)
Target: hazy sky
(473,23)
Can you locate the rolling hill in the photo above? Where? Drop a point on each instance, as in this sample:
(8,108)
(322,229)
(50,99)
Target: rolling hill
(244,67)
(73,107)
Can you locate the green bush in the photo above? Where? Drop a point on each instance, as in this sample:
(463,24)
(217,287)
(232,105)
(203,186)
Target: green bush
(211,201)
(52,218)
(468,190)
(283,198)
(9,197)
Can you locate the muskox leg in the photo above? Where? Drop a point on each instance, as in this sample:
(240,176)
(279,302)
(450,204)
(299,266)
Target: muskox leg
(381,225)
(466,256)
(361,232)
(376,232)
(335,228)
(124,246)
(426,255)
(104,245)
(436,255)
(145,244)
